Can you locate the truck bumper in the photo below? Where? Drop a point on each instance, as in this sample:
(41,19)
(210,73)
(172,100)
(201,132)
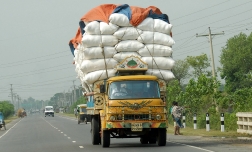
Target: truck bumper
(110,125)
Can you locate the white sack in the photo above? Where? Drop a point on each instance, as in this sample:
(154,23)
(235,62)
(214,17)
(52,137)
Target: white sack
(97,40)
(122,55)
(155,50)
(86,87)
(127,33)
(92,28)
(119,19)
(96,52)
(147,24)
(98,75)
(77,67)
(98,28)
(164,63)
(108,29)
(78,56)
(97,64)
(155,25)
(80,74)
(148,37)
(166,75)
(162,26)
(129,46)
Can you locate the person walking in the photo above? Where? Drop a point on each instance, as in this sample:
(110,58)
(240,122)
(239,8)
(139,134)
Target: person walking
(177,114)
(75,112)
(174,122)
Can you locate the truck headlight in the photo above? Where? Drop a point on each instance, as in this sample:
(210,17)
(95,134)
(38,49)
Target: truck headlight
(158,117)
(119,117)
(112,118)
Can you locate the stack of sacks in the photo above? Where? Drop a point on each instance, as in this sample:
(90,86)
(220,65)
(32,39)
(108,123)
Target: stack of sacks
(114,41)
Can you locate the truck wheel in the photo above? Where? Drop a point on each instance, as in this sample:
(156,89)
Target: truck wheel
(95,131)
(152,137)
(161,140)
(105,138)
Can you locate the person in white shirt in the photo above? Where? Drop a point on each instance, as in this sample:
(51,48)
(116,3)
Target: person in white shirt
(177,115)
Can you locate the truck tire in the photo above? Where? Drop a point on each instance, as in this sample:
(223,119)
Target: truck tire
(153,136)
(105,138)
(95,131)
(161,140)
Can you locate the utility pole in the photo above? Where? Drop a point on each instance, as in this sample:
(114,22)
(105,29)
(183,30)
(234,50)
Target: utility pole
(11,95)
(64,98)
(14,101)
(18,100)
(211,47)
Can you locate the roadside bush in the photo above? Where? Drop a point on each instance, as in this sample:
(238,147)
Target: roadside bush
(6,108)
(81,100)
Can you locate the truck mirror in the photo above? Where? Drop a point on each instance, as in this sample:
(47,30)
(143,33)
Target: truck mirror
(102,88)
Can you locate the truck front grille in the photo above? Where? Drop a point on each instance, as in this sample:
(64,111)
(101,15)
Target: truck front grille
(136,117)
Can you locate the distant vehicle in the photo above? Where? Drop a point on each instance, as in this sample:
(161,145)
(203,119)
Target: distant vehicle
(49,111)
(82,114)
(2,123)
(57,110)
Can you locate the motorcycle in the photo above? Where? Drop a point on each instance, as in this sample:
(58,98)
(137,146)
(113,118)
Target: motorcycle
(2,123)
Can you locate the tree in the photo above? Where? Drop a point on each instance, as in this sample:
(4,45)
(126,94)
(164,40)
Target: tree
(200,94)
(6,108)
(236,61)
(181,70)
(199,64)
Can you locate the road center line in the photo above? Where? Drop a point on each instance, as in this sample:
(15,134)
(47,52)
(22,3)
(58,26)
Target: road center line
(191,146)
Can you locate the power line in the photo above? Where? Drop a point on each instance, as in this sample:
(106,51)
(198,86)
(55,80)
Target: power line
(214,22)
(18,63)
(14,76)
(201,10)
(211,47)
(214,13)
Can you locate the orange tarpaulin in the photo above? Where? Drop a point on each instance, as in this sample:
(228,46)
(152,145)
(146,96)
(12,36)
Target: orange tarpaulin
(139,14)
(103,12)
(100,13)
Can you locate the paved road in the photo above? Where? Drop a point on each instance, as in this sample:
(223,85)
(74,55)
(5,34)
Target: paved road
(37,133)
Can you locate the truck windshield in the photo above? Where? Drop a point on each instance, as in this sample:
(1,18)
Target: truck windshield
(135,89)
(48,109)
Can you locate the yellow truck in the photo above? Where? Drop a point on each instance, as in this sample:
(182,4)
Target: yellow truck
(129,105)
(123,58)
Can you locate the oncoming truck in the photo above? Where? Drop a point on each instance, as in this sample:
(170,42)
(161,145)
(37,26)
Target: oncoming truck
(137,111)
(124,63)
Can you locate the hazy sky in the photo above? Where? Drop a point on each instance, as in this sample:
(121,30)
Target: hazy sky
(34,35)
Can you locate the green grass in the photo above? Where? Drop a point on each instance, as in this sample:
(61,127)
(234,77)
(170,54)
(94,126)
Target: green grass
(212,133)
(10,119)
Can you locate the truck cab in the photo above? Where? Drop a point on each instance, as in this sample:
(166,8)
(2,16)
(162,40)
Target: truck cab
(129,105)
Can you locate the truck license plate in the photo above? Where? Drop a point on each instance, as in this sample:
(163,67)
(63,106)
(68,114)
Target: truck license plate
(136,127)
